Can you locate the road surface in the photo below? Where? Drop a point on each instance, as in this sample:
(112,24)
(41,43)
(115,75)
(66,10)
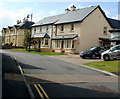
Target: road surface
(51,78)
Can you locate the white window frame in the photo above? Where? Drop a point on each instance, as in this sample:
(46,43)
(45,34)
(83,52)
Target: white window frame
(47,28)
(62,28)
(45,42)
(42,42)
(57,44)
(40,28)
(34,30)
(67,44)
(72,27)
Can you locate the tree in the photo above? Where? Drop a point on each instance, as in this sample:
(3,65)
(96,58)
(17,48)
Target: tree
(28,40)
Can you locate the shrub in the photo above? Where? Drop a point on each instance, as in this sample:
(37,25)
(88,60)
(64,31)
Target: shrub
(53,50)
(62,51)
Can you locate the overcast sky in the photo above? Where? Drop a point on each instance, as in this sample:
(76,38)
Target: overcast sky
(10,12)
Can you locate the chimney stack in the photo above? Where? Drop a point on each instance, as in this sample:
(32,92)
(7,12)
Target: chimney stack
(73,8)
(67,10)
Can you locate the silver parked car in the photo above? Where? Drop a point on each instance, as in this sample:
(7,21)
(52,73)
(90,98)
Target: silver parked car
(112,53)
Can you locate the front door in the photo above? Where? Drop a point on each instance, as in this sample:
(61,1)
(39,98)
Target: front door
(62,44)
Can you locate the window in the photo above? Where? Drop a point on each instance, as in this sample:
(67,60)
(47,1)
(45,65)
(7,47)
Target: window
(40,29)
(62,27)
(46,28)
(67,43)
(115,48)
(57,43)
(34,30)
(72,27)
(46,41)
(105,30)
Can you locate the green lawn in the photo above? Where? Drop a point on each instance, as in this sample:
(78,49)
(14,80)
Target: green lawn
(36,52)
(110,66)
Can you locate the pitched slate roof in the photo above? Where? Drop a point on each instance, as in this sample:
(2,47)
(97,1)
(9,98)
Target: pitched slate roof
(10,27)
(48,20)
(76,16)
(4,28)
(69,17)
(26,25)
(115,23)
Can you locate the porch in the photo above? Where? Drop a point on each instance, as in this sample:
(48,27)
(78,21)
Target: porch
(42,40)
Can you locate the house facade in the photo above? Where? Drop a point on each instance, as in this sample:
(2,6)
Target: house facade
(78,30)
(42,32)
(115,33)
(14,35)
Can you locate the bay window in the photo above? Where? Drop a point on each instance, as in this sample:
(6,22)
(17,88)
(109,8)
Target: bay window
(57,43)
(67,44)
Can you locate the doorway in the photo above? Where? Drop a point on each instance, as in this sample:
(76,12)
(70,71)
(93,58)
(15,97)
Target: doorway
(62,44)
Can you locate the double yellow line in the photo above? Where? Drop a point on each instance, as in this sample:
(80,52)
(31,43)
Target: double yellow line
(41,92)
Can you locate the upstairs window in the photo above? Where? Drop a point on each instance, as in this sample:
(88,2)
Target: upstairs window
(72,27)
(62,27)
(46,28)
(34,30)
(105,30)
(40,29)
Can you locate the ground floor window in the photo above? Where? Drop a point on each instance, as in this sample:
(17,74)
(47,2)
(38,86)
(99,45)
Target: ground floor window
(57,44)
(103,43)
(46,41)
(64,44)
(67,43)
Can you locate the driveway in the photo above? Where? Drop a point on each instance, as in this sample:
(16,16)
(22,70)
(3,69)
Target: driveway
(75,59)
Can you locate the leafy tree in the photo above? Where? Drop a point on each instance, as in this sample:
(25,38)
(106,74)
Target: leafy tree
(28,40)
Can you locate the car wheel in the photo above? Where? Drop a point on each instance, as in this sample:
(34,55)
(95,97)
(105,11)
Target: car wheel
(106,58)
(93,56)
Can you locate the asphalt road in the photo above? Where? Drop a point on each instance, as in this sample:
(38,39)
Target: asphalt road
(13,85)
(52,78)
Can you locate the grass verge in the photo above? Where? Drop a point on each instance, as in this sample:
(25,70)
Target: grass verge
(36,52)
(110,66)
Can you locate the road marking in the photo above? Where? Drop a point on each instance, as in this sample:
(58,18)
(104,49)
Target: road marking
(21,71)
(41,95)
(43,91)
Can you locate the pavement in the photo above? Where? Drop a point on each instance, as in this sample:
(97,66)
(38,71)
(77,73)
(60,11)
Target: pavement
(58,79)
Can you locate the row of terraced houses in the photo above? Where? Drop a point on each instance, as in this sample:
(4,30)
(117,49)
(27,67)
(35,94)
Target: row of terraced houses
(75,30)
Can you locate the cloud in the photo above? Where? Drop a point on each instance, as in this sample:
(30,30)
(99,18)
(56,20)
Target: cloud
(37,16)
(8,17)
(107,12)
(52,12)
(116,17)
(1,4)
